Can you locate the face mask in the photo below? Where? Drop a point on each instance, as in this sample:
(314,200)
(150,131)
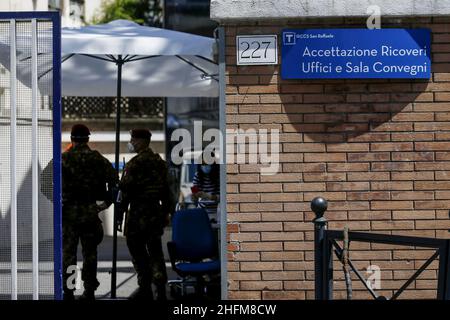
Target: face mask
(130,147)
(206,169)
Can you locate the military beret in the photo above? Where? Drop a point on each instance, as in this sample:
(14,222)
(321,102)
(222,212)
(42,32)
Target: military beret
(80,131)
(141,134)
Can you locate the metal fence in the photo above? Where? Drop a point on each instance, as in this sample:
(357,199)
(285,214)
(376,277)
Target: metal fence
(326,244)
(30,218)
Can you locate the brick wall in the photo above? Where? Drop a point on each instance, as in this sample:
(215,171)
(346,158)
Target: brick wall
(378,150)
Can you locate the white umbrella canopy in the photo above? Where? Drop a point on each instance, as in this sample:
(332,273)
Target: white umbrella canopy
(157,62)
(126,37)
(162,63)
(161,76)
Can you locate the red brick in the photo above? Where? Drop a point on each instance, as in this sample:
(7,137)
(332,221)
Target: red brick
(324,137)
(392,225)
(290,187)
(432,185)
(348,147)
(392,166)
(413,176)
(368,195)
(343,167)
(244,275)
(261,266)
(432,146)
(246,237)
(281,216)
(261,285)
(347,186)
(391,205)
(261,226)
(416,117)
(263,206)
(301,88)
(361,157)
(284,275)
(367,176)
(412,156)
(282,236)
(258,89)
(391,146)
(323,118)
(310,177)
(412,195)
(283,295)
(403,185)
(325,157)
(281,197)
(244,295)
(324,98)
(413,136)
(261,246)
(281,256)
(369,215)
(303,147)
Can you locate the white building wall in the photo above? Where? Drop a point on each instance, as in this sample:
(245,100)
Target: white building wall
(222,10)
(70,12)
(23,5)
(91,9)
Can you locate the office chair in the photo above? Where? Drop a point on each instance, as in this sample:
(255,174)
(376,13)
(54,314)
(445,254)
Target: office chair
(193,249)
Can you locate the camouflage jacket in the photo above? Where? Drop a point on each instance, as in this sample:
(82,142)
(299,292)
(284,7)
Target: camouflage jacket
(144,182)
(87,176)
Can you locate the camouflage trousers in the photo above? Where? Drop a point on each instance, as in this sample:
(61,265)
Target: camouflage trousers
(89,232)
(143,235)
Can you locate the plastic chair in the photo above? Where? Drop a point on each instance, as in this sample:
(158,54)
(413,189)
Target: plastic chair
(193,249)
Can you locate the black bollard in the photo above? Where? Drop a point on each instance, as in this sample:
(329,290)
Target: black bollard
(319,206)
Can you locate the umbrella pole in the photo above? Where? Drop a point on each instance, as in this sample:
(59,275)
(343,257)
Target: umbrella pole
(119,63)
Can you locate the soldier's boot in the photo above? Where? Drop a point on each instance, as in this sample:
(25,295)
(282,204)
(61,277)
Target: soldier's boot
(142,293)
(161,292)
(88,295)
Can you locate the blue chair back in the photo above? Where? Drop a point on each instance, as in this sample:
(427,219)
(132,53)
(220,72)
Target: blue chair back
(193,235)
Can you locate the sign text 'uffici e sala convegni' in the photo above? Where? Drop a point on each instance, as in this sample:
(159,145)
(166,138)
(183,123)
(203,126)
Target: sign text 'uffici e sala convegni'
(355,53)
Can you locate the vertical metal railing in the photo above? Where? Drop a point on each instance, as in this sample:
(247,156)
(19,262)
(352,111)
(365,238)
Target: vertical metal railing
(34,160)
(444,272)
(13,144)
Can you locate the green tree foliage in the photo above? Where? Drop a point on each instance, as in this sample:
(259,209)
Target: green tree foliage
(143,12)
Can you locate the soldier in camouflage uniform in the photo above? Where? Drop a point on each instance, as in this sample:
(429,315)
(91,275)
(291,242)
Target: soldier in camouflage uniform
(87,183)
(145,189)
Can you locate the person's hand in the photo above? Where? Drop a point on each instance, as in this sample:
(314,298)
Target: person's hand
(101,206)
(167,220)
(208,196)
(201,194)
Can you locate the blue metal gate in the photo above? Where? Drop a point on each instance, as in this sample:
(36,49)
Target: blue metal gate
(30,165)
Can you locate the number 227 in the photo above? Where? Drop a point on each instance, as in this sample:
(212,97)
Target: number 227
(258,46)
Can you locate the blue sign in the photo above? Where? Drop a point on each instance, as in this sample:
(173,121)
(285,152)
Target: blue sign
(355,53)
